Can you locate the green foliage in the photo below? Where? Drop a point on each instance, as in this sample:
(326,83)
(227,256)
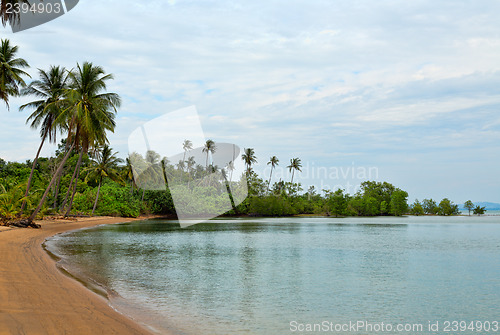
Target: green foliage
(416,208)
(478,210)
(447,207)
(114,200)
(11,72)
(270,206)
(10,201)
(256,186)
(469,206)
(399,205)
(430,206)
(336,203)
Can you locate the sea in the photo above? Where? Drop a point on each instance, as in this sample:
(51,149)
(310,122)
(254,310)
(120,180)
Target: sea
(297,275)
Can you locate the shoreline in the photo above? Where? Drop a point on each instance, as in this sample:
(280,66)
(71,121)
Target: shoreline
(36,297)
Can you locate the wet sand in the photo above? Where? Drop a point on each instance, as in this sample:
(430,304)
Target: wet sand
(37,298)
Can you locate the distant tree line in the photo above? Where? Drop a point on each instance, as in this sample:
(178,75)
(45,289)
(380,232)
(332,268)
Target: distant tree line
(85,176)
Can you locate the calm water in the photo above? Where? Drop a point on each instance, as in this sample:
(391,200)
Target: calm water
(255,276)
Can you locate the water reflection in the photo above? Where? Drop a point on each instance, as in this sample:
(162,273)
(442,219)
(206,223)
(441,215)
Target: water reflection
(254,276)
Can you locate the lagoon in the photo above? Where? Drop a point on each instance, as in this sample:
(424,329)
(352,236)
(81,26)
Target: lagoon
(268,275)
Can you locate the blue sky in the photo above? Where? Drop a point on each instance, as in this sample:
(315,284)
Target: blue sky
(408,88)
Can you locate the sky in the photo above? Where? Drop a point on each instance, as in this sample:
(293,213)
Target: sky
(401,91)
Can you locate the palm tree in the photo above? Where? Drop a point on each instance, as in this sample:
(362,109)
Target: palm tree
(187,146)
(93,110)
(7,12)
(164,165)
(181,165)
(249,158)
(274,161)
(295,164)
(91,113)
(10,70)
(105,165)
(128,173)
(50,88)
(189,166)
(209,147)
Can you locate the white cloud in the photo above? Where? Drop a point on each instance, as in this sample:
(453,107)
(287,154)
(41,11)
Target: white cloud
(324,80)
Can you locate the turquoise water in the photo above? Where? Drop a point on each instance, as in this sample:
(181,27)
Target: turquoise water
(273,276)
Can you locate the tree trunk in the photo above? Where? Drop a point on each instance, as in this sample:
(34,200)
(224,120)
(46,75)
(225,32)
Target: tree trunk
(58,186)
(230,193)
(32,171)
(293,171)
(97,197)
(70,187)
(269,182)
(76,183)
(37,210)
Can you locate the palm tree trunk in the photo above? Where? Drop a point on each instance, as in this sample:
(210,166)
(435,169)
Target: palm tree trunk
(76,182)
(293,171)
(32,171)
(97,197)
(70,187)
(37,210)
(58,186)
(230,193)
(270,176)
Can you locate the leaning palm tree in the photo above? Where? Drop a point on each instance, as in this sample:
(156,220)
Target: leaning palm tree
(105,165)
(273,161)
(209,147)
(10,71)
(91,113)
(249,158)
(295,164)
(50,90)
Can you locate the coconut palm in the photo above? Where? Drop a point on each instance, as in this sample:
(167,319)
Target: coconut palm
(164,165)
(295,165)
(50,90)
(104,165)
(7,12)
(189,166)
(209,147)
(91,113)
(181,165)
(249,158)
(128,174)
(273,161)
(152,174)
(10,71)
(187,146)
(92,109)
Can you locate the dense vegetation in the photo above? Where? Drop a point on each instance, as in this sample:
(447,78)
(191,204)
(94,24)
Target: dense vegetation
(85,176)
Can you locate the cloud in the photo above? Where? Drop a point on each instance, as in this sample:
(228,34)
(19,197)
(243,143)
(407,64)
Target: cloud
(327,81)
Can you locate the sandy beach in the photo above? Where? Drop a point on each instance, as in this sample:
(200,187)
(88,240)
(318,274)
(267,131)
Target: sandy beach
(37,298)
